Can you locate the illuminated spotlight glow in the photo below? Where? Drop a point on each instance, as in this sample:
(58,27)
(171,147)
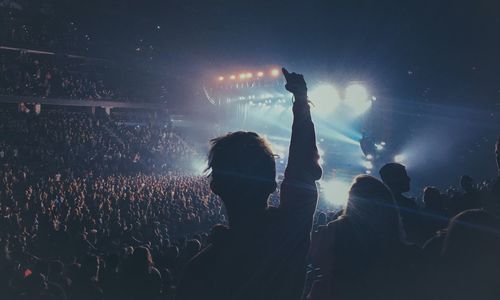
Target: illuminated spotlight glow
(379,147)
(382,143)
(369,157)
(368,172)
(232,77)
(336,192)
(356,97)
(199,167)
(400,158)
(260,74)
(367,164)
(275,72)
(325,97)
(221,78)
(243,76)
(249,75)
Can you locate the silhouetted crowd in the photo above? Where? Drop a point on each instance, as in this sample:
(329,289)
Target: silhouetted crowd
(92,208)
(24,74)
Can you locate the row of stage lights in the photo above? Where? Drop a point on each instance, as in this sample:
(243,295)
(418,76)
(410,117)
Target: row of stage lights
(245,76)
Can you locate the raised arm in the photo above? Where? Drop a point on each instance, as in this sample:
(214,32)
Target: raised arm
(299,188)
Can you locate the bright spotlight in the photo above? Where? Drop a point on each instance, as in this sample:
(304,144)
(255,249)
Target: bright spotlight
(379,147)
(335,191)
(325,97)
(400,158)
(367,164)
(243,76)
(356,97)
(249,75)
(221,78)
(369,157)
(260,74)
(275,72)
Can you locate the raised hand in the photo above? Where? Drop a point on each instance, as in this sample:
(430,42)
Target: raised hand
(295,83)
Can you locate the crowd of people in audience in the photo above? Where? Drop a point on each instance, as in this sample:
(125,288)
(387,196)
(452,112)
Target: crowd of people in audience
(76,185)
(92,208)
(48,76)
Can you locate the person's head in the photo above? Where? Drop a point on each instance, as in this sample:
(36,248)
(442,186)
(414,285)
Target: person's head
(56,267)
(470,250)
(193,247)
(432,198)
(467,183)
(112,261)
(372,203)
(90,266)
(396,178)
(242,166)
(141,258)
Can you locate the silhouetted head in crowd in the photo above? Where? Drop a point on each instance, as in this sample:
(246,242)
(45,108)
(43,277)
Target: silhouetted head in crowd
(470,254)
(467,183)
(371,203)
(141,259)
(90,267)
(56,267)
(432,198)
(243,171)
(396,178)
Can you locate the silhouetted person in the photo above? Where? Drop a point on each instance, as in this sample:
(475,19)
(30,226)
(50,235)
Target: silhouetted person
(434,217)
(139,278)
(362,254)
(470,199)
(84,282)
(395,177)
(471,264)
(262,254)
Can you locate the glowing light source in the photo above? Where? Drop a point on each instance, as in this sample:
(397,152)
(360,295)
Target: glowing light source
(249,75)
(379,147)
(400,158)
(335,191)
(356,97)
(369,157)
(275,72)
(260,74)
(243,76)
(325,97)
(367,164)
(221,78)
(232,77)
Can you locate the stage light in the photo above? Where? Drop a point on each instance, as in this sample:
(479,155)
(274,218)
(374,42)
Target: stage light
(325,97)
(260,74)
(335,191)
(249,75)
(275,72)
(368,172)
(379,147)
(369,157)
(232,77)
(367,164)
(356,97)
(221,78)
(243,76)
(400,158)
